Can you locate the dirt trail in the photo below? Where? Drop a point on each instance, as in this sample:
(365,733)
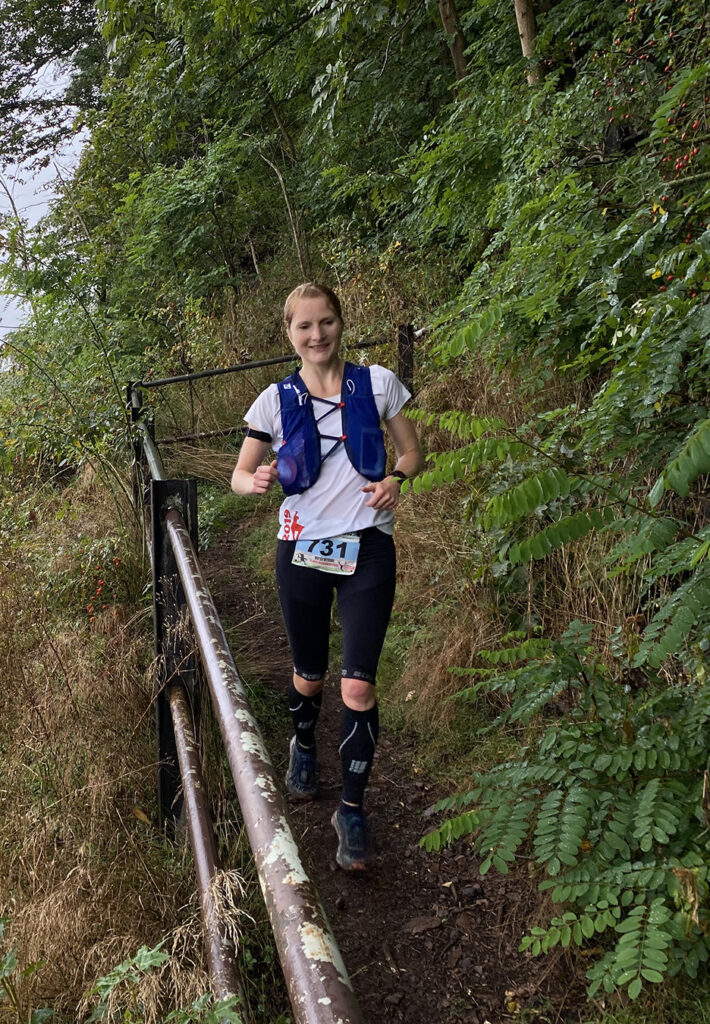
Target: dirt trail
(425,939)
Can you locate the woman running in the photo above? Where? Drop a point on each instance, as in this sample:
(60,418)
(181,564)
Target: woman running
(335,533)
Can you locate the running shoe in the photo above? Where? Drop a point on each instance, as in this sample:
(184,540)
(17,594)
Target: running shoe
(302,774)
(353,840)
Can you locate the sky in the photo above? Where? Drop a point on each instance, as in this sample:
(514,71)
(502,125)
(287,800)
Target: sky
(32,194)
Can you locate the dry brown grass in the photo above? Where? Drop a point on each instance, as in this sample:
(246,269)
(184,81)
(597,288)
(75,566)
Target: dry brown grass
(453,620)
(203,463)
(84,880)
(457,612)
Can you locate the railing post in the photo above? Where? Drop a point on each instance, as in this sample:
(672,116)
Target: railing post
(173,637)
(405,356)
(134,409)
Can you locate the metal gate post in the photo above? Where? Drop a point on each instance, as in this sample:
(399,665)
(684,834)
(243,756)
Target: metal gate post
(405,356)
(173,642)
(134,409)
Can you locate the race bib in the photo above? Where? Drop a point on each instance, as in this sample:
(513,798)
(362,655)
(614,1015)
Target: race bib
(331,554)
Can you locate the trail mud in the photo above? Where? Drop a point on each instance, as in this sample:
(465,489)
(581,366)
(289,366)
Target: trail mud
(425,938)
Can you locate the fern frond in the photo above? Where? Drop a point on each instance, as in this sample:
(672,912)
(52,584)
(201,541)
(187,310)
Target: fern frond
(463,425)
(535,647)
(642,535)
(561,826)
(640,953)
(562,532)
(671,625)
(451,830)
(682,472)
(655,819)
(469,336)
(503,834)
(485,449)
(454,465)
(540,489)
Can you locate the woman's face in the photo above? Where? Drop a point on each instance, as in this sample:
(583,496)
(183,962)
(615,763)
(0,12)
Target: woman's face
(315,330)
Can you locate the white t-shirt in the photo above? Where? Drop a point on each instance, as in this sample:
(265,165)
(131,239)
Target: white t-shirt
(335,504)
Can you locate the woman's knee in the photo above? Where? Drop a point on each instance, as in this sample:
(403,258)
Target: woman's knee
(358,694)
(308,687)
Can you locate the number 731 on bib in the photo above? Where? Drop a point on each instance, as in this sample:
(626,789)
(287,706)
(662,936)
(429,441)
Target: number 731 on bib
(329,554)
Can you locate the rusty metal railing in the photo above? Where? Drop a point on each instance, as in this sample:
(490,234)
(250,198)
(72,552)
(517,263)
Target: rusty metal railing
(176,698)
(406,336)
(319,988)
(218,949)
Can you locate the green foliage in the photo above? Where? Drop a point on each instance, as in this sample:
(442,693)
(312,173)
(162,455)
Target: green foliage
(692,461)
(230,142)
(37,119)
(9,997)
(562,532)
(217,508)
(131,970)
(128,974)
(607,802)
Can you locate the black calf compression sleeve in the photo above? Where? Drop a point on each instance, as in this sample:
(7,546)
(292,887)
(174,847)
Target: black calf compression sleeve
(358,734)
(304,712)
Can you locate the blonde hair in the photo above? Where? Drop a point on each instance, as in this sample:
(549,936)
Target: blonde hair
(311,290)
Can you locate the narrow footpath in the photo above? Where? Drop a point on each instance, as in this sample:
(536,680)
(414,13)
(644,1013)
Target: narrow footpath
(425,939)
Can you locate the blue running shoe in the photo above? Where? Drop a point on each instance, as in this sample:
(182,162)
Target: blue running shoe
(353,840)
(302,774)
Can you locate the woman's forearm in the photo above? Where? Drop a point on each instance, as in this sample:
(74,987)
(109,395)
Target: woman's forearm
(242,481)
(410,462)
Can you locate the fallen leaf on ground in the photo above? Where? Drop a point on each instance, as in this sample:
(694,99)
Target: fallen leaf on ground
(421,924)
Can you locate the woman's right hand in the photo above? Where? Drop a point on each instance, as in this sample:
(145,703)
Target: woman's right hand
(264,478)
(250,476)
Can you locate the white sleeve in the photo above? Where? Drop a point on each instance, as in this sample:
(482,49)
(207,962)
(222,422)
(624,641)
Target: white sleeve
(390,393)
(265,413)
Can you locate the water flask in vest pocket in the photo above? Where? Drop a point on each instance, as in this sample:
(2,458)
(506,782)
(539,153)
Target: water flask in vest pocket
(370,458)
(295,469)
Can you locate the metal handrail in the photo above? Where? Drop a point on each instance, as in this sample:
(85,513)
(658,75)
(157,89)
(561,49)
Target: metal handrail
(317,980)
(254,364)
(218,948)
(319,988)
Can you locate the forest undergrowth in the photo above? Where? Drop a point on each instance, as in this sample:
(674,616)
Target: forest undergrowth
(544,215)
(100,915)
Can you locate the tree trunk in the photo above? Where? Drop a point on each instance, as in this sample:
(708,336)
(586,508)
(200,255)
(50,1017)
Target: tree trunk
(449,19)
(287,137)
(254,260)
(299,239)
(527,30)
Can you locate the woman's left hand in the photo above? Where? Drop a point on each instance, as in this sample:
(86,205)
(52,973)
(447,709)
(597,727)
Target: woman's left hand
(384,494)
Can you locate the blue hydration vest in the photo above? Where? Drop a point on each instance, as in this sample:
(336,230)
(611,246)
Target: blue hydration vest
(299,457)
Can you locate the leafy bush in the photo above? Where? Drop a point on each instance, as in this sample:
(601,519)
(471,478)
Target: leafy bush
(609,804)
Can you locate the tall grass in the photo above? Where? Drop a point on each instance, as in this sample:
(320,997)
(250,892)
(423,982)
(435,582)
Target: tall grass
(86,877)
